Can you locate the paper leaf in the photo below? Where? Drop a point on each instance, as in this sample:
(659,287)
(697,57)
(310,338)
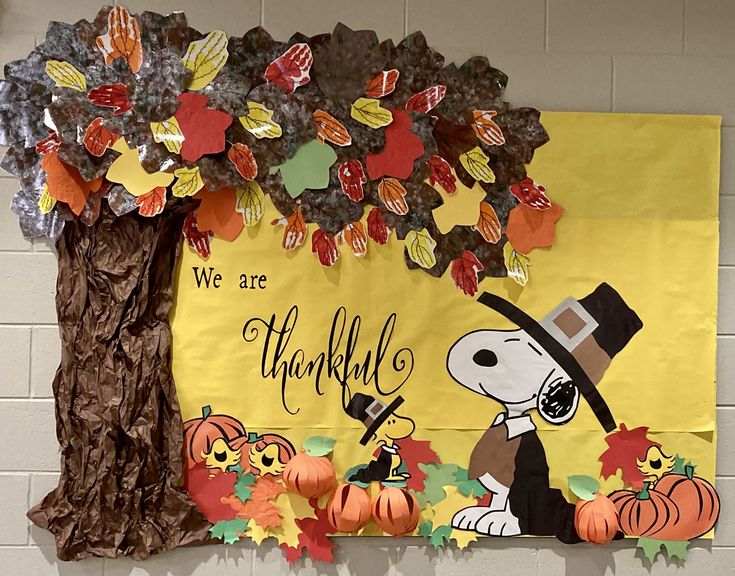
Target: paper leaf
(313,539)
(353,234)
(168,133)
(65,184)
(488,225)
(325,247)
(426,100)
(242,157)
(368,111)
(229,531)
(259,122)
(205,58)
(294,235)
(437,477)
(208,488)
(440,537)
(530,193)
(203,128)
(467,486)
(198,240)
(122,39)
(65,75)
(127,170)
(46,202)
(392,193)
(308,168)
(676,549)
(377,229)
(402,148)
(291,69)
(382,84)
(111,96)
(442,174)
(464,272)
(243,486)
(425,529)
(529,228)
(352,178)
(217,213)
(584,487)
(250,203)
(476,163)
(319,445)
(459,209)
(680,465)
(49,144)
(486,129)
(463,538)
(416,452)
(151,204)
(420,247)
(625,448)
(259,506)
(329,129)
(517,264)
(97,138)
(188,182)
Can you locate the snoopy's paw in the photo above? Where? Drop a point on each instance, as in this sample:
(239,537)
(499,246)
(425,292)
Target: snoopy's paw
(467,518)
(498,523)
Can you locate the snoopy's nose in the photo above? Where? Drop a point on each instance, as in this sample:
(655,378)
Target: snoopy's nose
(486,358)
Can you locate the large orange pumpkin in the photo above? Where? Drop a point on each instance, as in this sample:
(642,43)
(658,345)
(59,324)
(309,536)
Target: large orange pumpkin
(698,503)
(201,433)
(645,513)
(348,509)
(596,520)
(310,476)
(396,511)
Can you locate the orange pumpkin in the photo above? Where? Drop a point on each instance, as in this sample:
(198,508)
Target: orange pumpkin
(645,513)
(596,520)
(698,503)
(266,454)
(310,476)
(348,509)
(396,511)
(201,433)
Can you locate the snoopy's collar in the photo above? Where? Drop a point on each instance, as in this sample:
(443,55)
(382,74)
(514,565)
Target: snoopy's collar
(516,425)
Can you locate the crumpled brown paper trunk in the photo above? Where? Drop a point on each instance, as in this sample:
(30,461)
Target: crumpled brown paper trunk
(117,414)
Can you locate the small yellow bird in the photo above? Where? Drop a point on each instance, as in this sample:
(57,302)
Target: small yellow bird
(655,464)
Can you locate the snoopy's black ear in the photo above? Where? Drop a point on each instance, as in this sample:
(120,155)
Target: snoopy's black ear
(558,400)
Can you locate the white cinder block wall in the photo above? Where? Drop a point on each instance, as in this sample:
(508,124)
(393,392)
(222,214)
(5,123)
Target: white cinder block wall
(588,55)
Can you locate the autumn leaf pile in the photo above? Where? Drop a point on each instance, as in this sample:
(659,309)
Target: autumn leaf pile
(352,139)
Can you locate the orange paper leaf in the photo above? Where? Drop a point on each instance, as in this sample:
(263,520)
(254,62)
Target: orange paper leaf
(152,204)
(294,235)
(486,129)
(97,138)
(354,236)
(122,39)
(328,128)
(488,225)
(217,213)
(392,193)
(529,228)
(242,157)
(65,184)
(383,84)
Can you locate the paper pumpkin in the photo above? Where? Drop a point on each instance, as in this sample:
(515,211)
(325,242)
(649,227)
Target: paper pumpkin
(267,454)
(201,433)
(309,476)
(646,513)
(596,520)
(396,511)
(349,508)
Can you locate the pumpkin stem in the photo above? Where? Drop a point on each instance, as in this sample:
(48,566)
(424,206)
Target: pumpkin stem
(206,411)
(254,437)
(644,494)
(689,471)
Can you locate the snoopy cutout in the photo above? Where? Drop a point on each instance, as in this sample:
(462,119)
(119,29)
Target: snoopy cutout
(546,366)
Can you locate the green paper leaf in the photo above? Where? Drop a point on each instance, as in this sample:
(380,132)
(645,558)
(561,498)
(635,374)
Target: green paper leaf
(650,547)
(584,487)
(673,549)
(307,169)
(236,468)
(468,487)
(319,445)
(351,471)
(229,530)
(420,498)
(242,486)
(425,529)
(440,536)
(680,464)
(676,549)
(437,476)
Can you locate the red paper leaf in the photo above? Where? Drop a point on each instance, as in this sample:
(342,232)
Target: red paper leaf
(533,195)
(625,447)
(151,204)
(352,177)
(49,144)
(203,128)
(529,228)
(111,96)
(217,213)
(464,272)
(382,84)
(65,184)
(208,488)
(313,538)
(325,247)
(441,173)
(97,138)
(242,157)
(415,452)
(426,100)
(291,69)
(402,147)
(196,239)
(377,228)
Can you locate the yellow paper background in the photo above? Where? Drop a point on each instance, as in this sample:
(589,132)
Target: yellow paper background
(640,200)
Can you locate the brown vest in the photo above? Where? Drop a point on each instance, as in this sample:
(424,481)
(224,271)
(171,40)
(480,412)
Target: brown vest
(494,454)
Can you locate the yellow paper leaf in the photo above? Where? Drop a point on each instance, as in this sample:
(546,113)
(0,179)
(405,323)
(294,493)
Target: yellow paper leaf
(368,111)
(169,134)
(290,507)
(46,202)
(459,209)
(444,511)
(188,182)
(205,58)
(127,170)
(65,75)
(476,163)
(420,246)
(259,122)
(516,263)
(250,203)
(463,537)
